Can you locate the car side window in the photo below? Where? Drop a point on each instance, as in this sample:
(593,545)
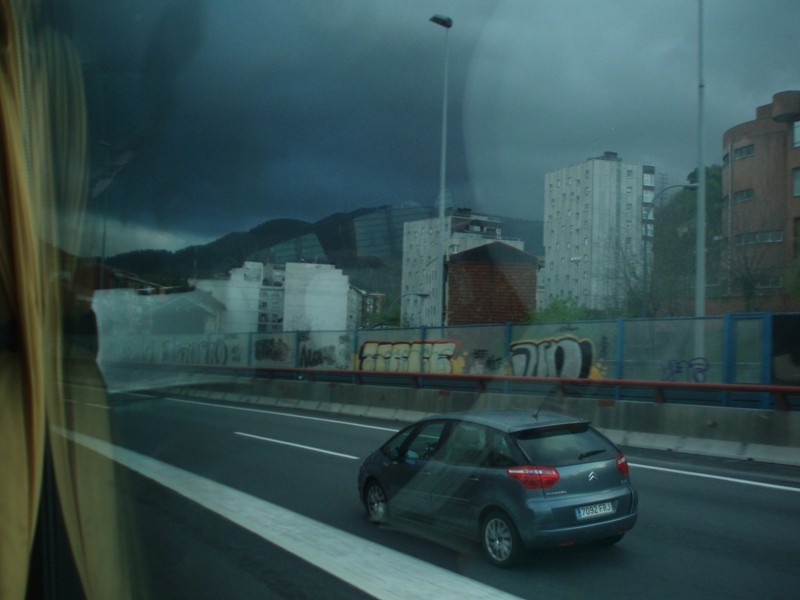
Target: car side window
(427,441)
(500,452)
(397,441)
(466,445)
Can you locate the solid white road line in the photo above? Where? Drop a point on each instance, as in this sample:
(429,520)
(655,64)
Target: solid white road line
(284,443)
(771,486)
(282,414)
(641,466)
(372,568)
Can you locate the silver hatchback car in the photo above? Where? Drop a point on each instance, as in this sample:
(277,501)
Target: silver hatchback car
(511,479)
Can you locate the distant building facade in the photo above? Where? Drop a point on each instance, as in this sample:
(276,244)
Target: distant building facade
(598,229)
(761,214)
(380,233)
(493,283)
(317,297)
(422,301)
(303,248)
(239,293)
(292,297)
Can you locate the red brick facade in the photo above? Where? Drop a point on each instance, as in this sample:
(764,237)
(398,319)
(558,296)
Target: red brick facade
(761,218)
(495,283)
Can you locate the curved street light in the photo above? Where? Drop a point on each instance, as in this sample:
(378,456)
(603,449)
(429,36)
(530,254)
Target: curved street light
(447,23)
(645,286)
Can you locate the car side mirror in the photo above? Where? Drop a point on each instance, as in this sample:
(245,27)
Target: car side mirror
(411,457)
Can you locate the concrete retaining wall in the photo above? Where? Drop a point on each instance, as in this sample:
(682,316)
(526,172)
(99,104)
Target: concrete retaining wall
(748,434)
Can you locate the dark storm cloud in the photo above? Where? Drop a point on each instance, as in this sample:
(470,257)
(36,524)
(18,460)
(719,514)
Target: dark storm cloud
(300,108)
(594,76)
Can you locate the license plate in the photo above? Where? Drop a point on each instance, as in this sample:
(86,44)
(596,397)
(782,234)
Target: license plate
(594,510)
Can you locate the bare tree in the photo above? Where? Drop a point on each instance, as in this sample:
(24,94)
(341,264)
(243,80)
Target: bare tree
(754,257)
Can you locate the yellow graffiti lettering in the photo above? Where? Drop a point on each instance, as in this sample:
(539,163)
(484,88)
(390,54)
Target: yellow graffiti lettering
(409,357)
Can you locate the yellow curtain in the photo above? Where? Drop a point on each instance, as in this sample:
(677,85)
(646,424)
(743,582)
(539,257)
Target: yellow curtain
(43,178)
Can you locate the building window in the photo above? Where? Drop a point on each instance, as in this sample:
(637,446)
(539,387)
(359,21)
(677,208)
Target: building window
(796,136)
(759,237)
(744,152)
(796,182)
(745,195)
(649,179)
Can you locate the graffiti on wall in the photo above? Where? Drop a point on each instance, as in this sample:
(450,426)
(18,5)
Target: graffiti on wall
(216,352)
(694,370)
(553,357)
(213,351)
(270,349)
(314,357)
(483,362)
(324,350)
(436,356)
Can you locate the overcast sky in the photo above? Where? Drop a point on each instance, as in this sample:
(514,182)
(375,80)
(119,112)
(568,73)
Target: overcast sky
(247,110)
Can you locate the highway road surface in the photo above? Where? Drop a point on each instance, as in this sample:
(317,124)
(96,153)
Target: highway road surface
(242,502)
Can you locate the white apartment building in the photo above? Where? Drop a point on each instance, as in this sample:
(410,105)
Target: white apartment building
(598,228)
(422,288)
(293,297)
(239,293)
(317,298)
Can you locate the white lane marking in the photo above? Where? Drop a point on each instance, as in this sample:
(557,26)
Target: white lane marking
(771,486)
(338,422)
(312,448)
(370,567)
(283,414)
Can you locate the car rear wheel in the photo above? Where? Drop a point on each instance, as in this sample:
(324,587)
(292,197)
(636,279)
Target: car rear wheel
(377,502)
(500,540)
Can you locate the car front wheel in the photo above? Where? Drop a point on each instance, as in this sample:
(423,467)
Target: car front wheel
(377,502)
(500,540)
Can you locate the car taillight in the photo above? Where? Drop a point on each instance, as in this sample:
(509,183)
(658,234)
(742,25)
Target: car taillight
(534,477)
(622,464)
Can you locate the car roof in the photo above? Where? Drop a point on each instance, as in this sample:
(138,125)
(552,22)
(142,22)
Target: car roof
(513,420)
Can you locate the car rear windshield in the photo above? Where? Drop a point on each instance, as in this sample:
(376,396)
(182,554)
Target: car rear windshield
(562,446)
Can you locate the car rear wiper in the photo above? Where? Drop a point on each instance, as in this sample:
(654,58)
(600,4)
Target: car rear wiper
(591,453)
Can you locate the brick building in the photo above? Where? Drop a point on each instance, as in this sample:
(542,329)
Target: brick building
(493,283)
(761,214)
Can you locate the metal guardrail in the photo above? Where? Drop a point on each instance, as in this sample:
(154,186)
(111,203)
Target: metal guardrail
(770,397)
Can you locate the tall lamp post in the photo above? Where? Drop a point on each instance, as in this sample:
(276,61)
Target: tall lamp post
(447,23)
(700,240)
(645,284)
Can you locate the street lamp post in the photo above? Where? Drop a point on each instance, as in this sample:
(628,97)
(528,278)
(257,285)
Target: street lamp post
(700,240)
(447,23)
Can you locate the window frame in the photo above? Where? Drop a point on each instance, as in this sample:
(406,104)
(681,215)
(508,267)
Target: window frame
(744,152)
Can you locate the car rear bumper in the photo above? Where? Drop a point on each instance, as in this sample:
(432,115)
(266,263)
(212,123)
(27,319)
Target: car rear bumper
(578,534)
